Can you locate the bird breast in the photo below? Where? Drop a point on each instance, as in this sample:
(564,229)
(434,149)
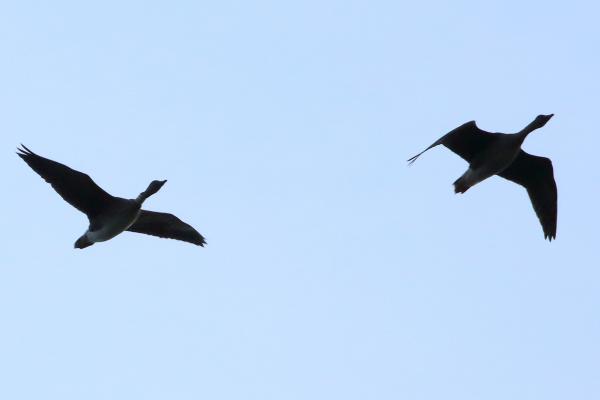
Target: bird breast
(497,158)
(113,224)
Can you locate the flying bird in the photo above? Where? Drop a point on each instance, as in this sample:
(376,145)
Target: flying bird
(500,154)
(108,215)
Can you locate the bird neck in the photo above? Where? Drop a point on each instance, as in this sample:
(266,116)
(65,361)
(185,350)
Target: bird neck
(533,125)
(142,197)
(526,131)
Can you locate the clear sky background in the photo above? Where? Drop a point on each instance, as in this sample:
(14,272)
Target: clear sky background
(332,271)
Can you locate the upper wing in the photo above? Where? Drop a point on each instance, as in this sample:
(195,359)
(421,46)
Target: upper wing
(537,176)
(467,141)
(166,226)
(75,187)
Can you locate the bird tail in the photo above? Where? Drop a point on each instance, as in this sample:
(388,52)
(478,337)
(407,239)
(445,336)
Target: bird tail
(461,185)
(83,242)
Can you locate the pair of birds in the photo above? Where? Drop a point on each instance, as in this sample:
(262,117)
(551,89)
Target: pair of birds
(487,154)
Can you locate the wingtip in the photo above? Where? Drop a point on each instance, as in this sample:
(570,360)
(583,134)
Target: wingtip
(23,150)
(412,160)
(197,239)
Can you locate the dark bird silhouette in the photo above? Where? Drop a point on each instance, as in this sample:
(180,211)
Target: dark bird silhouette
(500,154)
(108,215)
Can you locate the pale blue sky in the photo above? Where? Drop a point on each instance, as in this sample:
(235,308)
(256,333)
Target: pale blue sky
(332,271)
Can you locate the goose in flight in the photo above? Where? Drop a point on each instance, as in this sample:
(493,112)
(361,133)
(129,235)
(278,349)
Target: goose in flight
(500,154)
(108,215)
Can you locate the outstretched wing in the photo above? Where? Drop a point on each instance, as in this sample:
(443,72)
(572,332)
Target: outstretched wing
(75,187)
(467,141)
(166,226)
(537,176)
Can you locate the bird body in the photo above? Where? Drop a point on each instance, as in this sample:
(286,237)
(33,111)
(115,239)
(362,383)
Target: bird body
(493,159)
(108,215)
(500,154)
(107,226)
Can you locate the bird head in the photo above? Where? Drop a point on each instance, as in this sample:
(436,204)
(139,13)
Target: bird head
(541,120)
(155,187)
